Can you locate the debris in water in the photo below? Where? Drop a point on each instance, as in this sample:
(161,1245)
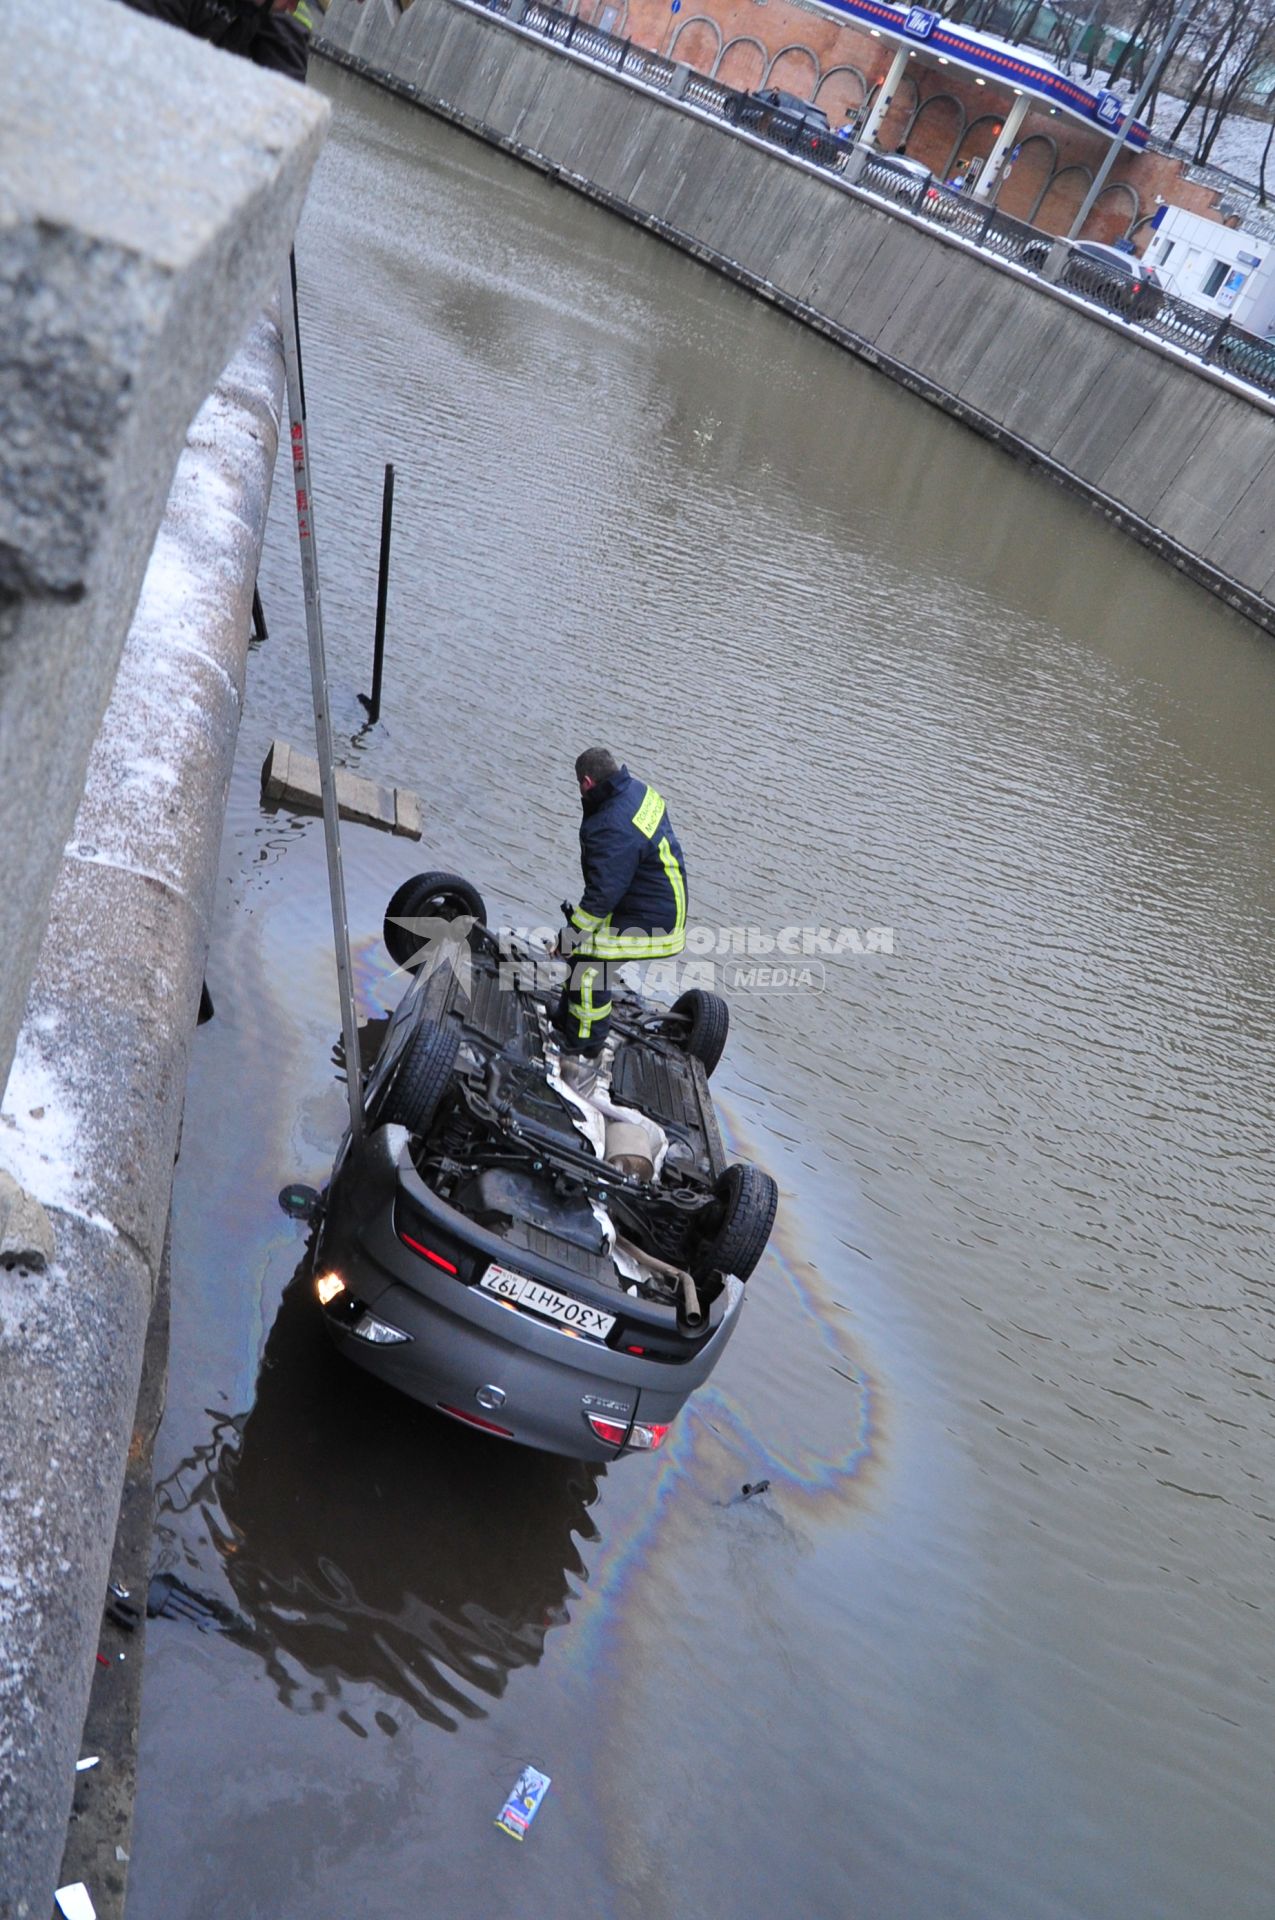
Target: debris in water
(169,1598)
(301,1202)
(750,1487)
(89,1760)
(123,1614)
(292,779)
(521,1807)
(73,1902)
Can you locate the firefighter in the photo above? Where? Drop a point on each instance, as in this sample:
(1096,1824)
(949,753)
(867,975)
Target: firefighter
(271,33)
(633,906)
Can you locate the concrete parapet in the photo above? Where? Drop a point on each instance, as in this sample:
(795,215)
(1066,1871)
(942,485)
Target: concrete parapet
(91,1119)
(149,190)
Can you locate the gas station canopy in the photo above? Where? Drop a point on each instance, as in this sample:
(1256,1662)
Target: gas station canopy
(987,58)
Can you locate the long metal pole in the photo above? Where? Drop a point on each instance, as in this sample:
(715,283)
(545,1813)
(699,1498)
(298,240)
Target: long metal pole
(319,689)
(1127,119)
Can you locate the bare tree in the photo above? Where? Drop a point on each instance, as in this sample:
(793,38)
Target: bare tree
(1231,41)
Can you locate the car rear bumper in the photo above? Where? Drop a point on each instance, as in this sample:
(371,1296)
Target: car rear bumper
(468,1353)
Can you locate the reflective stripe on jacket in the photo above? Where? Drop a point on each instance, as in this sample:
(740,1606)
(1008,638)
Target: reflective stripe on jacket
(634,902)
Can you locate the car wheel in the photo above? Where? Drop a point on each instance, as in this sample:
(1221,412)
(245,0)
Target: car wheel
(419,1082)
(428,896)
(710,1023)
(750,1200)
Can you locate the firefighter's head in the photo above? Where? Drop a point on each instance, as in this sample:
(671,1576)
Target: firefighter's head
(593,766)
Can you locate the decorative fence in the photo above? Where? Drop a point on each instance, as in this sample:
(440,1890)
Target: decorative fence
(806,134)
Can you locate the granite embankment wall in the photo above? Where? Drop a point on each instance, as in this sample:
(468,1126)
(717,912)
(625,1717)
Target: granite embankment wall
(149,191)
(1182,458)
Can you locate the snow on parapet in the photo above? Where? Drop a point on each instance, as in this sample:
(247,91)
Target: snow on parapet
(43,1143)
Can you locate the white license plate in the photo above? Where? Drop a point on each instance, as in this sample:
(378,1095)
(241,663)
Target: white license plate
(547,1300)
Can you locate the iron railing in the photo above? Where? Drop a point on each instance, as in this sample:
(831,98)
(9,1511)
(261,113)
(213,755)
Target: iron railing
(1213,341)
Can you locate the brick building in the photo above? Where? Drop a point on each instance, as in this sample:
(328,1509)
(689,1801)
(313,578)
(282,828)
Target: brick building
(951,95)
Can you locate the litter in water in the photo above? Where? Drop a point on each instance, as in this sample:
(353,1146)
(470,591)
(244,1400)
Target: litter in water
(89,1760)
(123,1614)
(73,1902)
(521,1807)
(169,1598)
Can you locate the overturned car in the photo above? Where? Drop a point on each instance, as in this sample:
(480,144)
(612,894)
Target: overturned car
(550,1251)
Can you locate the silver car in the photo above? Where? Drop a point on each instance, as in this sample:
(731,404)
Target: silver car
(553,1253)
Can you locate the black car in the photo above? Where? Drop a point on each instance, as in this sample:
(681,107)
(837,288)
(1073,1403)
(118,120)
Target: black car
(790,122)
(552,1251)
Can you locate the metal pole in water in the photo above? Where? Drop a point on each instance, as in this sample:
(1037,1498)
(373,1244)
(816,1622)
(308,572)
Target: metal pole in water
(319,689)
(373,705)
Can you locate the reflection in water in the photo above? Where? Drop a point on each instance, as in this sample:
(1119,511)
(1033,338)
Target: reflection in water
(367,1541)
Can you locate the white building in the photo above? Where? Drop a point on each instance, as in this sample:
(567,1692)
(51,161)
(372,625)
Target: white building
(1222,269)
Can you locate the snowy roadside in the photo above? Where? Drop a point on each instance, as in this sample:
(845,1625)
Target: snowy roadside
(90,1121)
(1238,147)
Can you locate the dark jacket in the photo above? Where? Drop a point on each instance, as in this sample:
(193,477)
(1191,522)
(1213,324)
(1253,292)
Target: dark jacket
(634,901)
(277,41)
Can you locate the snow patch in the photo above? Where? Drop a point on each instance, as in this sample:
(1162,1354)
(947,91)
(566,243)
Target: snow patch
(42,1136)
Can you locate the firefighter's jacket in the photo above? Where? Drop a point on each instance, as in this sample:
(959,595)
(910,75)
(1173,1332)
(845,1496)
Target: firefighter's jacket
(634,902)
(277,41)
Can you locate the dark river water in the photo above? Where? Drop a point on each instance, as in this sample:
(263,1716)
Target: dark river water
(997,1642)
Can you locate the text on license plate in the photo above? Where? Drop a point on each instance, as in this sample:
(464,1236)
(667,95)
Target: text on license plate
(547,1300)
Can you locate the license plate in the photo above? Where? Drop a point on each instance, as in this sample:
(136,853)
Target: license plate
(547,1300)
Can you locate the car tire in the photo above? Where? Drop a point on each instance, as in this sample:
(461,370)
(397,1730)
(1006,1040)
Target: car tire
(710,1023)
(428,896)
(420,1080)
(750,1200)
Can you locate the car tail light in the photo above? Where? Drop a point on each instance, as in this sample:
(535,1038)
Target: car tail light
(427,1253)
(641,1434)
(475,1420)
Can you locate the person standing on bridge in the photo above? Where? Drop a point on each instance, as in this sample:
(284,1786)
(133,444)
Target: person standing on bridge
(272,33)
(633,906)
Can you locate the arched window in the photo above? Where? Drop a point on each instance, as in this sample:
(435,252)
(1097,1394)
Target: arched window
(1024,179)
(1113,213)
(842,92)
(934,132)
(907,98)
(741,63)
(704,43)
(1058,201)
(800,73)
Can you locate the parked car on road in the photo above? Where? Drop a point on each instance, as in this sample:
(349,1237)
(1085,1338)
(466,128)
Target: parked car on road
(790,122)
(758,112)
(1118,279)
(552,1254)
(905,179)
